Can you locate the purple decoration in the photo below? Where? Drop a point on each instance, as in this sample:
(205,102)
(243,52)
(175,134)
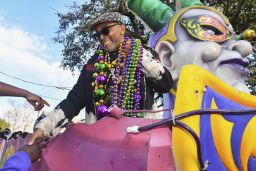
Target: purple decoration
(117,71)
(126,67)
(121,95)
(153,39)
(138,75)
(101,79)
(102,111)
(137,96)
(101,58)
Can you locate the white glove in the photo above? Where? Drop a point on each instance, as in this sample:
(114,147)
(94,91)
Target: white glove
(49,124)
(151,67)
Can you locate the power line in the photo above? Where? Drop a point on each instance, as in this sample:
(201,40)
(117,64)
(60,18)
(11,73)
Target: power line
(52,90)
(49,97)
(50,82)
(62,88)
(58,84)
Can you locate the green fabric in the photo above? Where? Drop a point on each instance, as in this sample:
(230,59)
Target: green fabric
(239,37)
(187,3)
(153,12)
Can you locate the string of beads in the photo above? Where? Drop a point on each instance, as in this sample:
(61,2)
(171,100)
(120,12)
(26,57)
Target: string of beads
(126,89)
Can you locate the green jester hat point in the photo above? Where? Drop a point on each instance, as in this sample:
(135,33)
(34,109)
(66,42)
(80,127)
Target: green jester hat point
(155,13)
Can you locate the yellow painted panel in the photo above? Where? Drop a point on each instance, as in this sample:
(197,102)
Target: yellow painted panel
(191,86)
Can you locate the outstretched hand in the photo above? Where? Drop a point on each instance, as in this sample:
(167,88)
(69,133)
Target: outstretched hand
(34,151)
(37,137)
(36,101)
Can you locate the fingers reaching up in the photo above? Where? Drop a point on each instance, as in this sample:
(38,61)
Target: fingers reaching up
(37,137)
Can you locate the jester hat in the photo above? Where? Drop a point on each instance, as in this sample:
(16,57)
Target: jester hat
(155,13)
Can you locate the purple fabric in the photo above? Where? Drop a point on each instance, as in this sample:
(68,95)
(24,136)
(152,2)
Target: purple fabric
(13,143)
(20,161)
(157,35)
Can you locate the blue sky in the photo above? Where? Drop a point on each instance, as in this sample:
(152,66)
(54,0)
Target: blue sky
(37,17)
(27,50)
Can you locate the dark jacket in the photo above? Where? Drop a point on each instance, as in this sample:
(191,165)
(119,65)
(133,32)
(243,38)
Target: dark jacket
(82,93)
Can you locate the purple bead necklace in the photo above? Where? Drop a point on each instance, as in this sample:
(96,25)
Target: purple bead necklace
(126,91)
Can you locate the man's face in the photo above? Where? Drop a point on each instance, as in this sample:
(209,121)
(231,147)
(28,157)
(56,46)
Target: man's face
(210,44)
(110,35)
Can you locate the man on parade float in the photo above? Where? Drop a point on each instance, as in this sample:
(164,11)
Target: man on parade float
(194,34)
(124,73)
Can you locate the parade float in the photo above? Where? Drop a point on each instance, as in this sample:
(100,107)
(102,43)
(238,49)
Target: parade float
(209,115)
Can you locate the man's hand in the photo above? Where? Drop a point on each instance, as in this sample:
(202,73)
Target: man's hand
(37,137)
(34,151)
(152,68)
(36,101)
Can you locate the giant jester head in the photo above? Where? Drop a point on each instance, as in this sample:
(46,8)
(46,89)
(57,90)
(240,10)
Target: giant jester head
(195,34)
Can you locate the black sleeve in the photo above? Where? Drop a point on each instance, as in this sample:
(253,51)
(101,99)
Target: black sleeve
(76,99)
(81,94)
(165,83)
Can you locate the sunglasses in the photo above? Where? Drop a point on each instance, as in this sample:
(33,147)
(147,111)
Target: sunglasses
(105,31)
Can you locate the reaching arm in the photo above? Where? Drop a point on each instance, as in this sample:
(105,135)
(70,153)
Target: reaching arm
(77,99)
(23,159)
(9,90)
